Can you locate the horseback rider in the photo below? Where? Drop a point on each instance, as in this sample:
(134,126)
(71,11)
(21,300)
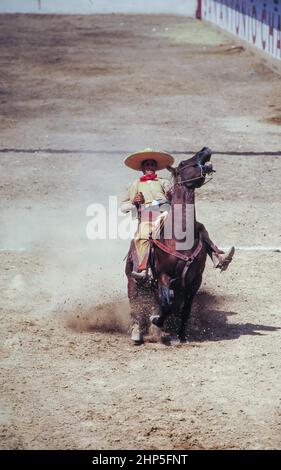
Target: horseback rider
(150,192)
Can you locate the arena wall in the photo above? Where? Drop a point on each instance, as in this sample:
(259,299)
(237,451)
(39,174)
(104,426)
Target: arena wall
(256,21)
(179,7)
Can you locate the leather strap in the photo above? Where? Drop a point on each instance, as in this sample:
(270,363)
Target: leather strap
(177,254)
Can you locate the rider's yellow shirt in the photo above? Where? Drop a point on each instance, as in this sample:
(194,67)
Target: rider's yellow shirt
(153,190)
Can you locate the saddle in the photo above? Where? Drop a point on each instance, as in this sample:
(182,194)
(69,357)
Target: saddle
(149,273)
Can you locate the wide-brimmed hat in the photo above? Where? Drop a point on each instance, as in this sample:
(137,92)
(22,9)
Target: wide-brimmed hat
(136,159)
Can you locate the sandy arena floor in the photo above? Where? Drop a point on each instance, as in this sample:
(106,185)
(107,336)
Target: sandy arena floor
(77,94)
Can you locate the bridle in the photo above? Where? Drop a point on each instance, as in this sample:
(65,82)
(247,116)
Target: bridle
(203,175)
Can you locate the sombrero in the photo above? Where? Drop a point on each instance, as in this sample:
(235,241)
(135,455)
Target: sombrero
(135,160)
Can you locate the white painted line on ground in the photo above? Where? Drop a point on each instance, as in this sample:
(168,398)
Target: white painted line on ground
(255,248)
(13,249)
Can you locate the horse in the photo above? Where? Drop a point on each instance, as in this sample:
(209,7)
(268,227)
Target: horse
(177,262)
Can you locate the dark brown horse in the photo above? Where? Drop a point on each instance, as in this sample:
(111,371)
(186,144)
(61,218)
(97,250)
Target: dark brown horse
(178,254)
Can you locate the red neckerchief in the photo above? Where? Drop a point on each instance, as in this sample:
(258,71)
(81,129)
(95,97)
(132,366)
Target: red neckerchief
(150,177)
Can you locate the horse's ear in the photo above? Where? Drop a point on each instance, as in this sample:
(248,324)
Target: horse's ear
(171,170)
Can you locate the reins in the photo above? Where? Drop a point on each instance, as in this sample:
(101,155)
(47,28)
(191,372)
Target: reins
(178,173)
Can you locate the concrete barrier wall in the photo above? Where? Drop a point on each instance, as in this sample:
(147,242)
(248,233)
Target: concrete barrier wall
(179,7)
(256,21)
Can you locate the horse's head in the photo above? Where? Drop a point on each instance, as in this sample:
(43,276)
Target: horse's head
(192,172)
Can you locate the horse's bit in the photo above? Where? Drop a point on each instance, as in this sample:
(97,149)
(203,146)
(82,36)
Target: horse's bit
(198,177)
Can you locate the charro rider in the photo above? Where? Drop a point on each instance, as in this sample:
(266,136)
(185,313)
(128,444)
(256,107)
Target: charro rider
(149,192)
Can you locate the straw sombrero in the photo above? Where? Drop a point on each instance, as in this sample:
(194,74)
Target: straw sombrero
(135,160)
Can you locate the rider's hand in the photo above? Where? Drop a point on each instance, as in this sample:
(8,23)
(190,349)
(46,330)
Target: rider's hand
(138,199)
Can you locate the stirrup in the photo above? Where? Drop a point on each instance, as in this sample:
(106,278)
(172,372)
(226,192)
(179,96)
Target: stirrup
(145,274)
(139,275)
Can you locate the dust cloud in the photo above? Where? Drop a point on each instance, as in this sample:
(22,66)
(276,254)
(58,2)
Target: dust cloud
(69,272)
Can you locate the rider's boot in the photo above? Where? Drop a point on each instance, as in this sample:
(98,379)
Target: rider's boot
(143,272)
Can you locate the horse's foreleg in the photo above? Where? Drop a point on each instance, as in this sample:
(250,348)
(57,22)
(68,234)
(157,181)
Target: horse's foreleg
(210,246)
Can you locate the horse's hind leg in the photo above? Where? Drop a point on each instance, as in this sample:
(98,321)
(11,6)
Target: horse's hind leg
(186,311)
(165,300)
(185,314)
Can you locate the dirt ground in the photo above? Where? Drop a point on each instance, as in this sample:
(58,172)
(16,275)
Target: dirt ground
(77,94)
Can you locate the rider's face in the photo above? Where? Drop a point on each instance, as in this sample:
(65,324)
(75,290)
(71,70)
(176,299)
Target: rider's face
(149,166)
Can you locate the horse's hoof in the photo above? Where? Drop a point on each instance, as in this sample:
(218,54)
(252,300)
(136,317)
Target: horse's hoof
(182,341)
(136,335)
(166,339)
(176,341)
(223,260)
